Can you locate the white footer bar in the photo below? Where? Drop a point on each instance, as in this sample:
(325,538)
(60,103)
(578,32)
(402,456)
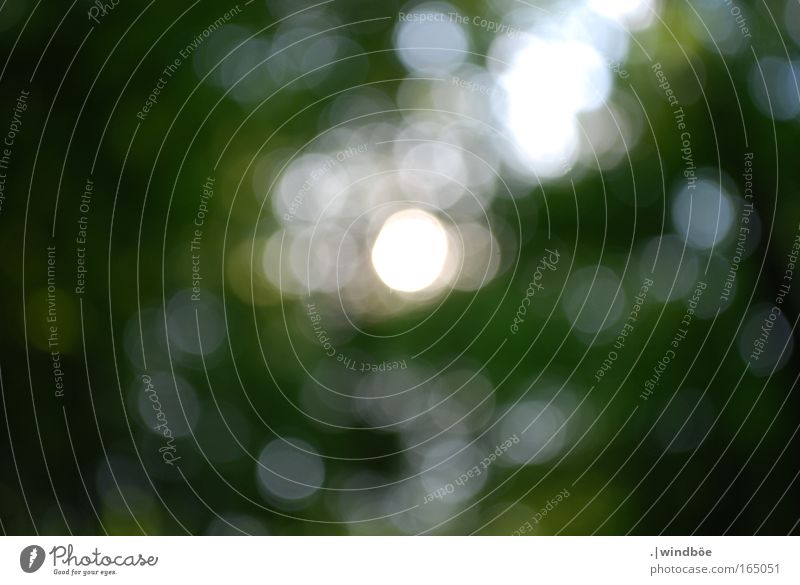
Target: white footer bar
(401,560)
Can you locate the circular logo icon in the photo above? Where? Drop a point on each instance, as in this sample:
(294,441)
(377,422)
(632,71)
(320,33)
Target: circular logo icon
(31,558)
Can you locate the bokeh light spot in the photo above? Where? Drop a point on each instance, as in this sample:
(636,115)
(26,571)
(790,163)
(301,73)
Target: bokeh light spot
(410,251)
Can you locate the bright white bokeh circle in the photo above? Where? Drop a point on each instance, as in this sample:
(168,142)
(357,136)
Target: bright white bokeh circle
(410,251)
